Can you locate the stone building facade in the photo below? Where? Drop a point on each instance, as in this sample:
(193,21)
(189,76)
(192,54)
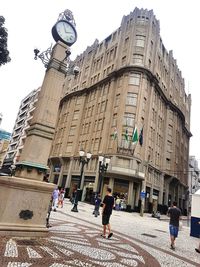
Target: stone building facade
(127,81)
(193,178)
(22,124)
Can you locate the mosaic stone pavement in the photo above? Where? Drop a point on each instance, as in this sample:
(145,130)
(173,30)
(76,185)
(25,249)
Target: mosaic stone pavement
(72,244)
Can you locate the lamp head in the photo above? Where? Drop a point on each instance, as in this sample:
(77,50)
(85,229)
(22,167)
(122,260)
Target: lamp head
(81,153)
(88,155)
(36,52)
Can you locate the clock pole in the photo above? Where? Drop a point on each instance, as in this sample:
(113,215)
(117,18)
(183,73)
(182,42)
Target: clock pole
(25,198)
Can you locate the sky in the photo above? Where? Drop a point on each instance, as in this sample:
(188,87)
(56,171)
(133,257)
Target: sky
(29,24)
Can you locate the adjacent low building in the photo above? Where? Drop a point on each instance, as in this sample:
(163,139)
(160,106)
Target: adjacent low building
(127,82)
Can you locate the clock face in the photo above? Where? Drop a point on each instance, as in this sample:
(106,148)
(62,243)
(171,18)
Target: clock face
(66,32)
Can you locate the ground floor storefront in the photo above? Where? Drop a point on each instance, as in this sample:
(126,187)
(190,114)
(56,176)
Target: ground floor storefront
(128,190)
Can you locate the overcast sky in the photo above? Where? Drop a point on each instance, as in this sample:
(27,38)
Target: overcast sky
(29,24)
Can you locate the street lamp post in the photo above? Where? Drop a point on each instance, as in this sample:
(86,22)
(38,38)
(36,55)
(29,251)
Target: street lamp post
(103,166)
(84,159)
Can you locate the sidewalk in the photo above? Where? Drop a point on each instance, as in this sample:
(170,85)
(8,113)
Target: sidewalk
(74,240)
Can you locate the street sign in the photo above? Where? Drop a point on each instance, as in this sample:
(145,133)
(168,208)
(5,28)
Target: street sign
(142,194)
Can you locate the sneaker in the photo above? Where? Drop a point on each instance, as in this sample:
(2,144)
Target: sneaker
(103,236)
(110,235)
(172,247)
(197,250)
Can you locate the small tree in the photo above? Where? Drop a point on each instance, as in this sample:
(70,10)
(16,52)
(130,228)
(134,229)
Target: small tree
(4,53)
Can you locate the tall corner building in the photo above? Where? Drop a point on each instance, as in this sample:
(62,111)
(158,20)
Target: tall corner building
(126,82)
(22,124)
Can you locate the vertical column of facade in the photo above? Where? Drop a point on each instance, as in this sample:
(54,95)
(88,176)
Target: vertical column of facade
(165,130)
(160,199)
(166,193)
(51,166)
(61,172)
(130,194)
(79,124)
(69,174)
(151,194)
(137,197)
(111,183)
(108,116)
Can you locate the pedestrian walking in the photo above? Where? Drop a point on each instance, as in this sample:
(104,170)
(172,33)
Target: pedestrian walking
(117,203)
(108,204)
(175,215)
(198,249)
(55,195)
(73,195)
(97,203)
(61,197)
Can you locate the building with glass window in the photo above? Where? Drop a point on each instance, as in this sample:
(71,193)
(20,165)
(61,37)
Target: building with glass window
(127,103)
(193,178)
(22,124)
(4,142)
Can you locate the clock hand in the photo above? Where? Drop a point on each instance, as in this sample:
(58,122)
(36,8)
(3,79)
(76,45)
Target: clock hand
(65,27)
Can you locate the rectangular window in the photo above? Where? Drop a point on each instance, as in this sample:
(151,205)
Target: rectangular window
(72,130)
(140,40)
(86,71)
(76,114)
(134,78)
(170,130)
(111,57)
(124,61)
(100,124)
(131,99)
(69,147)
(78,100)
(96,144)
(86,128)
(89,111)
(114,121)
(137,59)
(129,119)
(117,98)
(126,42)
(144,104)
(169,146)
(103,106)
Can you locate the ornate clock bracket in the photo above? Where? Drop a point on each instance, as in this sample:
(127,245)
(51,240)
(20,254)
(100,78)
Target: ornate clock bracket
(44,56)
(67,15)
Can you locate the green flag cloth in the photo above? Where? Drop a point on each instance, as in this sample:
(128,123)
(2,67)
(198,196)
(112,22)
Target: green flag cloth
(135,135)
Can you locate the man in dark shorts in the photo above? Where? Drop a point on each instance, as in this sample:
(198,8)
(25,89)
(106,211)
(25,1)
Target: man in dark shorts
(174,213)
(108,204)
